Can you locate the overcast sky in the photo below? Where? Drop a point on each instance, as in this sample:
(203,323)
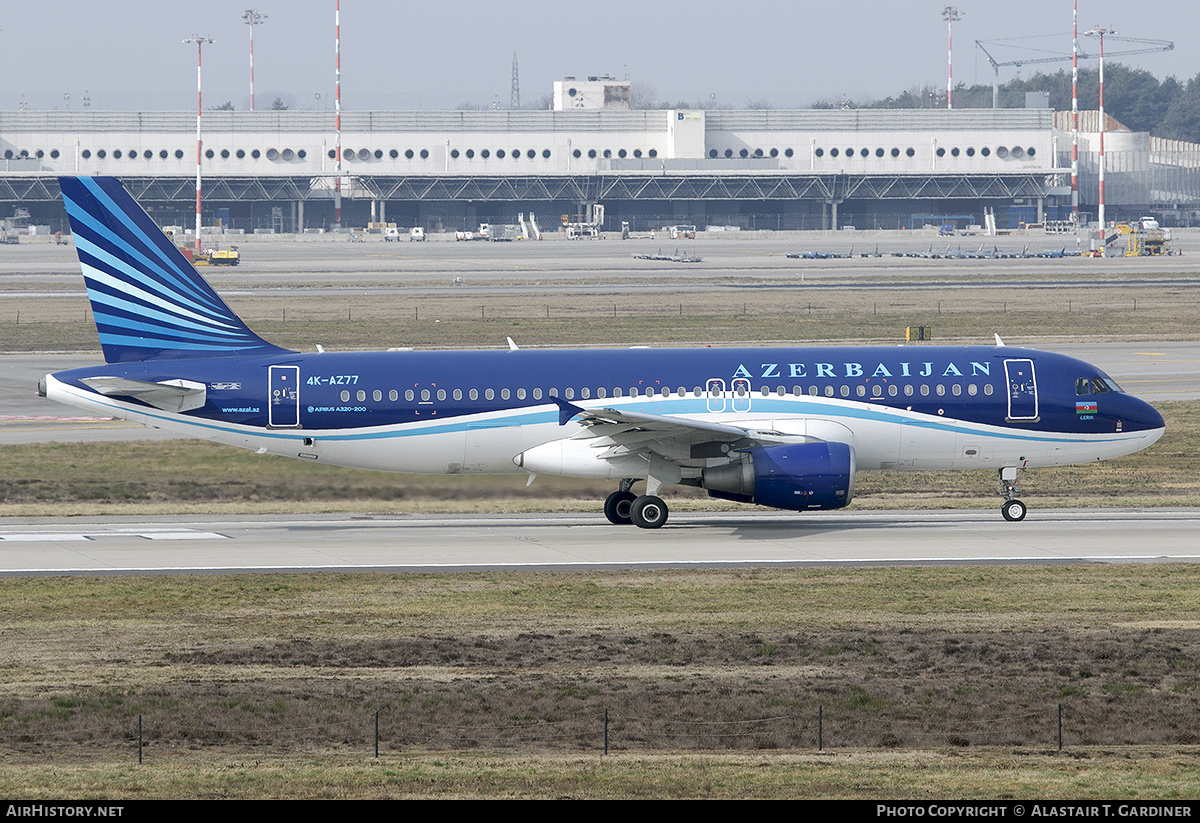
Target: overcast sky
(129,54)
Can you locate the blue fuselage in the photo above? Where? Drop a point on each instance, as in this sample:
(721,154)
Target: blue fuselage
(941,395)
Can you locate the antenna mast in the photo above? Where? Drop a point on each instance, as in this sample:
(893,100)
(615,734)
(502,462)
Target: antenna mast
(515,101)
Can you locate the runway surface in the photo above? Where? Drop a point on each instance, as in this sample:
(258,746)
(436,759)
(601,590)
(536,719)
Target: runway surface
(214,545)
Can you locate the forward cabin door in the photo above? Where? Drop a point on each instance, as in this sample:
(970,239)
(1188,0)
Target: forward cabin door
(1022,389)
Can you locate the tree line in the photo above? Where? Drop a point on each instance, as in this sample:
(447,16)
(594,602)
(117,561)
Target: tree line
(1165,108)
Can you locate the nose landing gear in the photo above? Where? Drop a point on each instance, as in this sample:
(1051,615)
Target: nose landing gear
(1012,509)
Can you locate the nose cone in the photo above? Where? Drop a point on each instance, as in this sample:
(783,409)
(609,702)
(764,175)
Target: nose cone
(1141,416)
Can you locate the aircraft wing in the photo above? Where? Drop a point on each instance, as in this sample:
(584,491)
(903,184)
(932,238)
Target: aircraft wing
(625,431)
(170,395)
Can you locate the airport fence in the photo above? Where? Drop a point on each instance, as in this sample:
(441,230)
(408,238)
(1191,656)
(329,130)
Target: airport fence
(379,733)
(443,306)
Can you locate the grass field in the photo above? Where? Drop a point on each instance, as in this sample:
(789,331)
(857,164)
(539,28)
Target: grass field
(933,682)
(755,313)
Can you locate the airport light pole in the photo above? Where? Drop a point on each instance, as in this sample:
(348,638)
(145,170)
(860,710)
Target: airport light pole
(1075,118)
(337,115)
(199,41)
(1099,32)
(950,14)
(252,18)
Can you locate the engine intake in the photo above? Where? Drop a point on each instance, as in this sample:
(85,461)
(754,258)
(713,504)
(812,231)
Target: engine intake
(795,477)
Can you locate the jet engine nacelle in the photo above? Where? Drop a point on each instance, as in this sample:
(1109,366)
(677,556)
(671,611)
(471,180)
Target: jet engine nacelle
(797,476)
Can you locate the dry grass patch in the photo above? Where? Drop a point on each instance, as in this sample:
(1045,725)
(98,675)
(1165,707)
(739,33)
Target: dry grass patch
(895,658)
(1110,773)
(766,312)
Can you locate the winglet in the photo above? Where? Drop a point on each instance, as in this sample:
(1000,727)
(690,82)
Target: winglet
(566,410)
(999,342)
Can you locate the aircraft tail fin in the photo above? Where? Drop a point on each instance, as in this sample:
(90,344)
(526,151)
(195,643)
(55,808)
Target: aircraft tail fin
(148,300)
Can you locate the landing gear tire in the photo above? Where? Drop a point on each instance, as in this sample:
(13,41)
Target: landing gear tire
(1013,511)
(617,507)
(648,512)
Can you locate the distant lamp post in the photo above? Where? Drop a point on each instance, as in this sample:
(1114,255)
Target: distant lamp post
(67,100)
(337,115)
(199,41)
(1099,32)
(252,18)
(950,14)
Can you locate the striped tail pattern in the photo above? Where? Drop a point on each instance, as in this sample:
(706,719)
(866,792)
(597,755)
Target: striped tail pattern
(148,300)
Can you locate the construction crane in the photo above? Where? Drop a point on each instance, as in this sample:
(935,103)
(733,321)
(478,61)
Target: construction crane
(1148,47)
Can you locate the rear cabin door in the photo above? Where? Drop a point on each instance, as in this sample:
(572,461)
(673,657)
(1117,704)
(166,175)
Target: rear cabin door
(283,410)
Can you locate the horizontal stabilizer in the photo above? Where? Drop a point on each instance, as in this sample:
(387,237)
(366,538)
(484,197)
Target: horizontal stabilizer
(170,395)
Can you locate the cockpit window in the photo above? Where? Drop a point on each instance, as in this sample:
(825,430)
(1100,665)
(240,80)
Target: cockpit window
(1095,385)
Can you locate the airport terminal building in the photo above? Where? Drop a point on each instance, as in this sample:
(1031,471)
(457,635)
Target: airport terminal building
(448,170)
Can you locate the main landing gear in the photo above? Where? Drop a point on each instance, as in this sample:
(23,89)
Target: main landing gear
(1012,509)
(646,511)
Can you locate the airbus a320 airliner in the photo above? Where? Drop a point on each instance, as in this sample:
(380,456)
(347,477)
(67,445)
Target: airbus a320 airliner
(787,428)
